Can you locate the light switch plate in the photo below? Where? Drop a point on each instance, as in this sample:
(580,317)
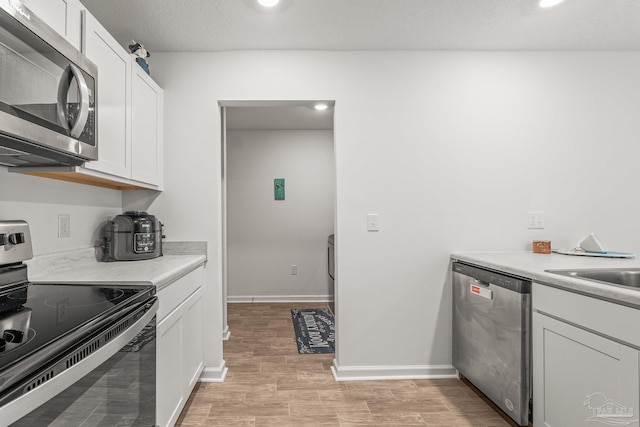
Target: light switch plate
(372,222)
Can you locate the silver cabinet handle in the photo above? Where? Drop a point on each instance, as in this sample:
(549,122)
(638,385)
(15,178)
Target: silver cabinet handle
(63,90)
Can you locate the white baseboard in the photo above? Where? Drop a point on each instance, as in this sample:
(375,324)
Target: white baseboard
(226,333)
(406,372)
(211,374)
(277,298)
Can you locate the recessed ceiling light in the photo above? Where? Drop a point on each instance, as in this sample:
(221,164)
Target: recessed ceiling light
(550,3)
(321,106)
(268,3)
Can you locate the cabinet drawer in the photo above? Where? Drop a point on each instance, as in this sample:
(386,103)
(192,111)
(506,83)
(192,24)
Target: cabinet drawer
(177,292)
(612,320)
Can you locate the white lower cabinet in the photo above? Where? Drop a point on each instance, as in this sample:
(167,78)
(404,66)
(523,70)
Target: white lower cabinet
(180,348)
(193,361)
(585,373)
(170,390)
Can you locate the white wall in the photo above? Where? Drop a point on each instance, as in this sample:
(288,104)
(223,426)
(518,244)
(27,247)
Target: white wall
(267,236)
(450,148)
(39,201)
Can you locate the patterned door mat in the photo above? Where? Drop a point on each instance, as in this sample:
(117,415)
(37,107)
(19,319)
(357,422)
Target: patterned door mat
(315,330)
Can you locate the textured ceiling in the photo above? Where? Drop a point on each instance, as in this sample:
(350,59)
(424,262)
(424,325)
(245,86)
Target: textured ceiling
(222,25)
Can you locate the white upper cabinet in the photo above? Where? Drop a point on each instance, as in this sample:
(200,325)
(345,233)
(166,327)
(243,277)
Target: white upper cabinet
(146,127)
(130,111)
(129,105)
(61,15)
(114,98)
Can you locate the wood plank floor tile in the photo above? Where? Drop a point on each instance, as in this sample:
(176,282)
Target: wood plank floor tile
(240,386)
(391,385)
(208,397)
(487,418)
(315,409)
(274,342)
(290,368)
(306,358)
(459,393)
(406,406)
(204,421)
(358,419)
(297,421)
(233,360)
(440,382)
(305,396)
(228,422)
(296,384)
(270,384)
(254,409)
(256,378)
(354,395)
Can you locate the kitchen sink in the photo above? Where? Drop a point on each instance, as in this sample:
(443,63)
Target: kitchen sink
(629,277)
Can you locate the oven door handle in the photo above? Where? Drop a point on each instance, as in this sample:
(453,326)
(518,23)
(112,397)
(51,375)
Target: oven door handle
(22,405)
(64,86)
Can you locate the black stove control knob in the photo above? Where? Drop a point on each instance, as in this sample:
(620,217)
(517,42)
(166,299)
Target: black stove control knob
(16,238)
(13,336)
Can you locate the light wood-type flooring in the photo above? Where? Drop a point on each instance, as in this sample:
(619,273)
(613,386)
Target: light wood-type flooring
(270,384)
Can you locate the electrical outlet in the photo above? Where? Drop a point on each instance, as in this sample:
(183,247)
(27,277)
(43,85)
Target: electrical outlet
(535,220)
(64,225)
(294,270)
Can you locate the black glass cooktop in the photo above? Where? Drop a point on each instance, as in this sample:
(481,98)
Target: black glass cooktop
(35,315)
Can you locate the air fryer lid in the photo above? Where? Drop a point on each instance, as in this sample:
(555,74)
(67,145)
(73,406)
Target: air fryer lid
(136,222)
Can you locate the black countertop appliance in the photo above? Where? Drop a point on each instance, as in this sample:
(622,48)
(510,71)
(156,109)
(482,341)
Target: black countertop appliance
(133,235)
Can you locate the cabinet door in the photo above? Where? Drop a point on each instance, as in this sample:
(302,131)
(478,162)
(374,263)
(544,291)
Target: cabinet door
(193,339)
(114,101)
(146,128)
(61,15)
(169,362)
(581,377)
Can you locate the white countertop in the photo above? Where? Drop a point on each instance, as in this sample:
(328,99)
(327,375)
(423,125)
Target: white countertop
(159,271)
(533,266)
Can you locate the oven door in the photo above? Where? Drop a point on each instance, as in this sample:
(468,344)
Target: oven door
(47,90)
(113,385)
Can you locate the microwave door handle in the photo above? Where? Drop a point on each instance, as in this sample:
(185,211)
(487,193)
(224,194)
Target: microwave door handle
(63,90)
(81,121)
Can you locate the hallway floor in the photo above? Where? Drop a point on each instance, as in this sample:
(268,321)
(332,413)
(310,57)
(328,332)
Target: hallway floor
(270,384)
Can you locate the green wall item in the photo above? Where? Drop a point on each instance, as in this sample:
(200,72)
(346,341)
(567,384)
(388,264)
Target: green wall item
(278,188)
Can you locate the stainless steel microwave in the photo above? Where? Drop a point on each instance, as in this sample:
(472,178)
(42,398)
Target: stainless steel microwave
(48,94)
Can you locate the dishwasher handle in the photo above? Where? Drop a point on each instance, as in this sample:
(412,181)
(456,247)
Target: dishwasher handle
(476,287)
(517,284)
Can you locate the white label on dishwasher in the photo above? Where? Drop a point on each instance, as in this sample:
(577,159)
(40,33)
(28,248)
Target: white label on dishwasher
(480,291)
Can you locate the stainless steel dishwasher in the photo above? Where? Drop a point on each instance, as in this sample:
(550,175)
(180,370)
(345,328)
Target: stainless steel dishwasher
(491,336)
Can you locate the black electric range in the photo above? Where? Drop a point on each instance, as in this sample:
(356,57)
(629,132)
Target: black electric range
(41,324)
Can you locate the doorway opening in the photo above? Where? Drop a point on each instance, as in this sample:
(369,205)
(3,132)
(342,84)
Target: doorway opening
(278,201)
